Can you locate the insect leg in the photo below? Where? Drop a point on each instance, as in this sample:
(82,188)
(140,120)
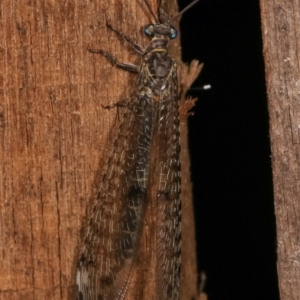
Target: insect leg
(139,49)
(114,61)
(121,103)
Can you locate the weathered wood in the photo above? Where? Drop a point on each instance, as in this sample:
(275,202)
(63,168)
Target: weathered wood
(281,39)
(52,133)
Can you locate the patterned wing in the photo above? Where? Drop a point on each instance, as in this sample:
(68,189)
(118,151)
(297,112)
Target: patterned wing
(110,246)
(168,194)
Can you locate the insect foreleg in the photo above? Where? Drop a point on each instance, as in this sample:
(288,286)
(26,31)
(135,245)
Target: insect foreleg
(139,49)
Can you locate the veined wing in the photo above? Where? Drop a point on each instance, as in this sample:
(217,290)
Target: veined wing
(168,195)
(114,229)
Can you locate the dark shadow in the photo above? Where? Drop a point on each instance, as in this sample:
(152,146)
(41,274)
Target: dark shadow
(230,151)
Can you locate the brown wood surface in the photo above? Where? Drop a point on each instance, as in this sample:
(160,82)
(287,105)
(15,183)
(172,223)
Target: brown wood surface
(52,133)
(281,40)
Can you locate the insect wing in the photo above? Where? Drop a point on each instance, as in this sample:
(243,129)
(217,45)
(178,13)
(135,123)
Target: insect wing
(114,229)
(168,195)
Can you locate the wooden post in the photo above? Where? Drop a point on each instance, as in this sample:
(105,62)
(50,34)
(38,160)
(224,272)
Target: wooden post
(281,39)
(52,133)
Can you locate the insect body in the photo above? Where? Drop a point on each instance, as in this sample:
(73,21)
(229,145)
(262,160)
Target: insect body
(148,127)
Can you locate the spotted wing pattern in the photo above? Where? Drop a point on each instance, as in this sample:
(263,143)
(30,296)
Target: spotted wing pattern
(114,228)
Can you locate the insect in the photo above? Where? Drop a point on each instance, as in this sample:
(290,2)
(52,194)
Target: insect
(149,127)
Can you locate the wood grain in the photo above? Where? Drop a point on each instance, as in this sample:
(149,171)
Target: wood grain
(281,42)
(52,133)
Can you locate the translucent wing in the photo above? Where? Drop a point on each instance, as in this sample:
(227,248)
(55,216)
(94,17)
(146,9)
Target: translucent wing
(168,195)
(114,229)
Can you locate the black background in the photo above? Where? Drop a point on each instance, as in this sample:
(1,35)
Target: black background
(230,151)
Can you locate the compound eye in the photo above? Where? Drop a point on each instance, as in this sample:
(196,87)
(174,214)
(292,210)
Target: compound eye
(173,33)
(149,29)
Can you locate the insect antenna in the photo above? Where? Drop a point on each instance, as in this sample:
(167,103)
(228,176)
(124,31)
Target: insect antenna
(184,10)
(151,11)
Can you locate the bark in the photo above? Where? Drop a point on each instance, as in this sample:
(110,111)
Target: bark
(52,133)
(281,39)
